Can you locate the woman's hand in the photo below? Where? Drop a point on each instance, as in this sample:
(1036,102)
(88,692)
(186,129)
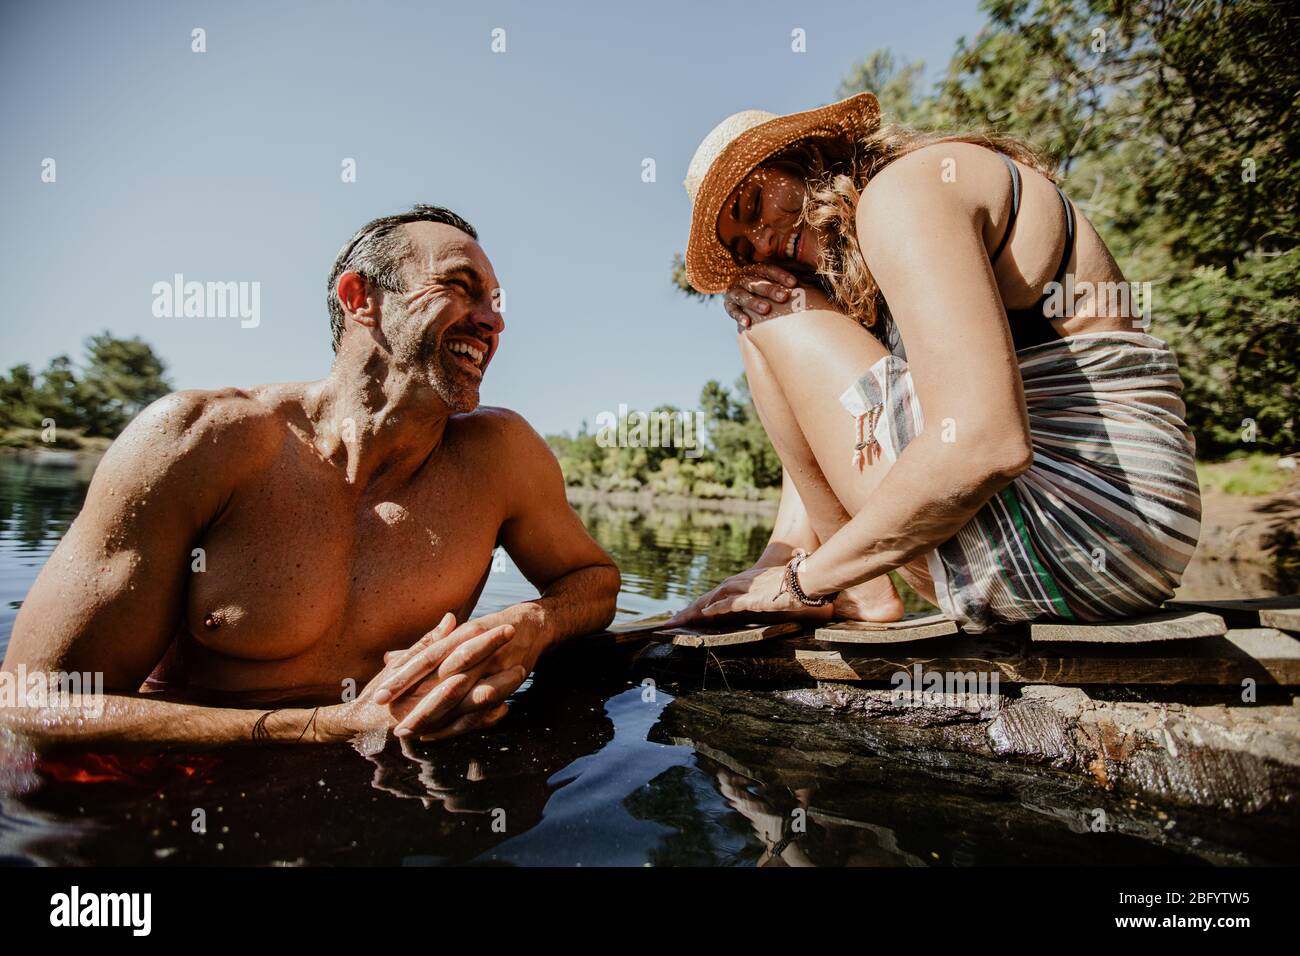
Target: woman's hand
(754,295)
(758,591)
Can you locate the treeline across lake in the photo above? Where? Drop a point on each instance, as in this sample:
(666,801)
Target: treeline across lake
(722,453)
(69,405)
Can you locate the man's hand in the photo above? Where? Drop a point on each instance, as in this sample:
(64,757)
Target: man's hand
(459,787)
(442,685)
(443,675)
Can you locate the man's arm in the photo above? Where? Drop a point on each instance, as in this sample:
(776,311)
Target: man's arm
(578,581)
(110,597)
(118,718)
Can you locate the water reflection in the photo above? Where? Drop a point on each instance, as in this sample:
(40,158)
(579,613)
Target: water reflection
(674,553)
(805,791)
(40,494)
(457,801)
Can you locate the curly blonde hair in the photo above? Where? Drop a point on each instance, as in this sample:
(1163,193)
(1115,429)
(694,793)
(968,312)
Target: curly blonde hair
(836,171)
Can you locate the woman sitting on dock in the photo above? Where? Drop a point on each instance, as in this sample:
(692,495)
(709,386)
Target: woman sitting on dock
(1026,456)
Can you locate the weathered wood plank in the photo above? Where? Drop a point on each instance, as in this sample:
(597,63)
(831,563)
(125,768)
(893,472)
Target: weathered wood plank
(1282,618)
(894,632)
(650,622)
(796,661)
(1243,612)
(1178,625)
(1239,758)
(627,633)
(1276,652)
(699,637)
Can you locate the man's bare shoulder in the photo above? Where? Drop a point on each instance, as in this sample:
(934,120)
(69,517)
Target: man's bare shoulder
(503,434)
(493,423)
(229,428)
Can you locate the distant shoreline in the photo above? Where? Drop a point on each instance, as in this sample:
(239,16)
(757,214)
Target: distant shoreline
(86,457)
(647,499)
(68,440)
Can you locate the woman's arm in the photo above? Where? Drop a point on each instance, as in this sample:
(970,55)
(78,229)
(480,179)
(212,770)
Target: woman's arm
(921,238)
(791,530)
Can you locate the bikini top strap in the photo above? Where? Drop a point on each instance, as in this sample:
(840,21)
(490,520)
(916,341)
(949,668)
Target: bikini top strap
(1069,235)
(1040,307)
(1015,206)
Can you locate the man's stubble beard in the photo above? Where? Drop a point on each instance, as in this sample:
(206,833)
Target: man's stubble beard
(457,390)
(453,386)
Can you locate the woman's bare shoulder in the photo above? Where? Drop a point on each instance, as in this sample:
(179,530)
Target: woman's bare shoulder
(937,186)
(951,172)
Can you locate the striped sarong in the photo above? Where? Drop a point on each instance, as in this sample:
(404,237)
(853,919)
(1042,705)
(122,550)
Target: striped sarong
(1104,522)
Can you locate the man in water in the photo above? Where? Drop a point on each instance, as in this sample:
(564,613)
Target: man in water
(301,541)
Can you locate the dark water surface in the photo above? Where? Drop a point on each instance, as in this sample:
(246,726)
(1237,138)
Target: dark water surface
(589,769)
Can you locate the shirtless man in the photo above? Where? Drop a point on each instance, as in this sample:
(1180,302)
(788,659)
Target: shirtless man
(345,527)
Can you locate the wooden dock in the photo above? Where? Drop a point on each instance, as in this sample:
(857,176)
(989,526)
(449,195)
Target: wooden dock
(1207,644)
(1191,707)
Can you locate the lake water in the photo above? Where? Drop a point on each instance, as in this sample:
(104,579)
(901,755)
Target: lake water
(589,768)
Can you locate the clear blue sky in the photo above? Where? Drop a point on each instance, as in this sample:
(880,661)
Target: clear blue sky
(226,166)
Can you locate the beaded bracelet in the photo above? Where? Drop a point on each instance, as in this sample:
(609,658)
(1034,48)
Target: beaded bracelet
(792,582)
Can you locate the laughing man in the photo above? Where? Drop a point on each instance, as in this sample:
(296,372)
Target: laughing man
(287,542)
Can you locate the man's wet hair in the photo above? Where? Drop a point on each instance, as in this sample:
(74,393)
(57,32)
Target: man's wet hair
(376,252)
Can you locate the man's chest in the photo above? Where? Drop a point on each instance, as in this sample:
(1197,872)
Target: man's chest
(292,570)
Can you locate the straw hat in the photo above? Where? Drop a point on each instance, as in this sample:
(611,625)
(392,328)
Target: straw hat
(734,148)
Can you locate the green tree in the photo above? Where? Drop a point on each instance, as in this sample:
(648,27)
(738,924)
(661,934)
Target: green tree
(735,456)
(897,86)
(18,398)
(1178,123)
(580,457)
(56,395)
(121,377)
(718,405)
(737,441)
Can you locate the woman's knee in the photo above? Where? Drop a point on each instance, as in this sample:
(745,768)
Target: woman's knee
(810,360)
(812,357)
(828,343)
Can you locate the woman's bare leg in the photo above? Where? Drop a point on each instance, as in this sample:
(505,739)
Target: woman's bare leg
(798,366)
(875,600)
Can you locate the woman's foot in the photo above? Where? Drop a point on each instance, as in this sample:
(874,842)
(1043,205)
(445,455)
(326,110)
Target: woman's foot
(876,601)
